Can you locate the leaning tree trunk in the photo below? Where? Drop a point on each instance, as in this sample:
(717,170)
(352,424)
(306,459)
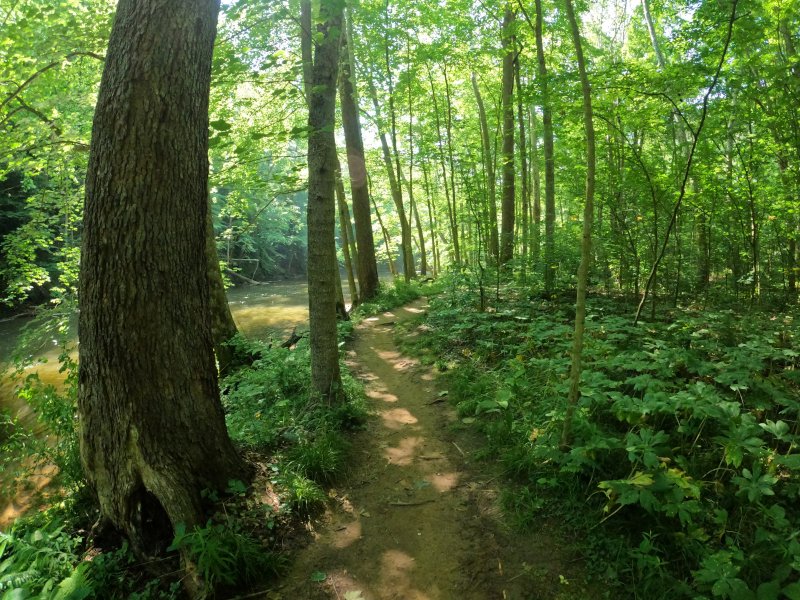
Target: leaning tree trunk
(325,375)
(152,430)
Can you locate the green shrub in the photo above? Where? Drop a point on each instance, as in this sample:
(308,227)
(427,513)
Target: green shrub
(225,556)
(685,438)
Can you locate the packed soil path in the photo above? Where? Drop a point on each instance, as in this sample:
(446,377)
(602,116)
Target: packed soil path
(416,519)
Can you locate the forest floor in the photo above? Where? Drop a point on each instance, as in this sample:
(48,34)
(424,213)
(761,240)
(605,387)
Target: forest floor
(416,518)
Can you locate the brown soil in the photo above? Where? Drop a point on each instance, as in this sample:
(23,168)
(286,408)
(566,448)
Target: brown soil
(417,519)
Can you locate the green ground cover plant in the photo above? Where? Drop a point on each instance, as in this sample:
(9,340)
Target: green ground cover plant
(683,476)
(271,414)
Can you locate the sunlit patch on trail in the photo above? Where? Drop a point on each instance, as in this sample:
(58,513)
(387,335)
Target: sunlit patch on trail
(381,395)
(444,482)
(403,454)
(396,577)
(346,534)
(397,418)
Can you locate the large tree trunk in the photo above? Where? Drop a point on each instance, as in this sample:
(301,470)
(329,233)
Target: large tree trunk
(322,271)
(586,241)
(366,264)
(508,212)
(151,425)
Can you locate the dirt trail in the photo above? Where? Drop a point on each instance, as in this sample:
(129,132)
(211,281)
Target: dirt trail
(416,520)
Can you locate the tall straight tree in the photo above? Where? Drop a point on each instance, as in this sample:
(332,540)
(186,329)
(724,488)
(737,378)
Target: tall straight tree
(394,182)
(508,205)
(152,430)
(586,239)
(488,166)
(549,162)
(366,265)
(321,211)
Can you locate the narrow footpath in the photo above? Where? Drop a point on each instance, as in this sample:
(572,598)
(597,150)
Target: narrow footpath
(415,518)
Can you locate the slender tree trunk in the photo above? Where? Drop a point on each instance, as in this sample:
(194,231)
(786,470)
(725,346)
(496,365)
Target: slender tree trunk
(431,220)
(586,241)
(449,128)
(386,241)
(356,165)
(152,430)
(549,163)
(423,258)
(442,162)
(344,229)
(409,270)
(491,179)
(223,328)
(688,169)
(523,167)
(325,376)
(509,191)
(397,193)
(536,237)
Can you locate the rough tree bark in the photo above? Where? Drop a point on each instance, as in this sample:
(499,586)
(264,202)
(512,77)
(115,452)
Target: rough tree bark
(325,375)
(152,430)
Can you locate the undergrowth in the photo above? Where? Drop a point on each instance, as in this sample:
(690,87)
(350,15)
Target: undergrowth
(683,477)
(271,414)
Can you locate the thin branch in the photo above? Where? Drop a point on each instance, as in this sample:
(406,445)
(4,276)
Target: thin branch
(688,169)
(44,69)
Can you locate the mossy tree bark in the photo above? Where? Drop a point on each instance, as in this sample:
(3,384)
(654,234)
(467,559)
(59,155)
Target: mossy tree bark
(152,429)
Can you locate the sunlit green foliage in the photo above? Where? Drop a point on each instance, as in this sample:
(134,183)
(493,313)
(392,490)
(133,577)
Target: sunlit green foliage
(685,442)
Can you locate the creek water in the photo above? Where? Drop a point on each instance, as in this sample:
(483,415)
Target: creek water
(260,312)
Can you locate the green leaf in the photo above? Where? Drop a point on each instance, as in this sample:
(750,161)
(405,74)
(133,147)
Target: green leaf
(792,591)
(318,576)
(220,125)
